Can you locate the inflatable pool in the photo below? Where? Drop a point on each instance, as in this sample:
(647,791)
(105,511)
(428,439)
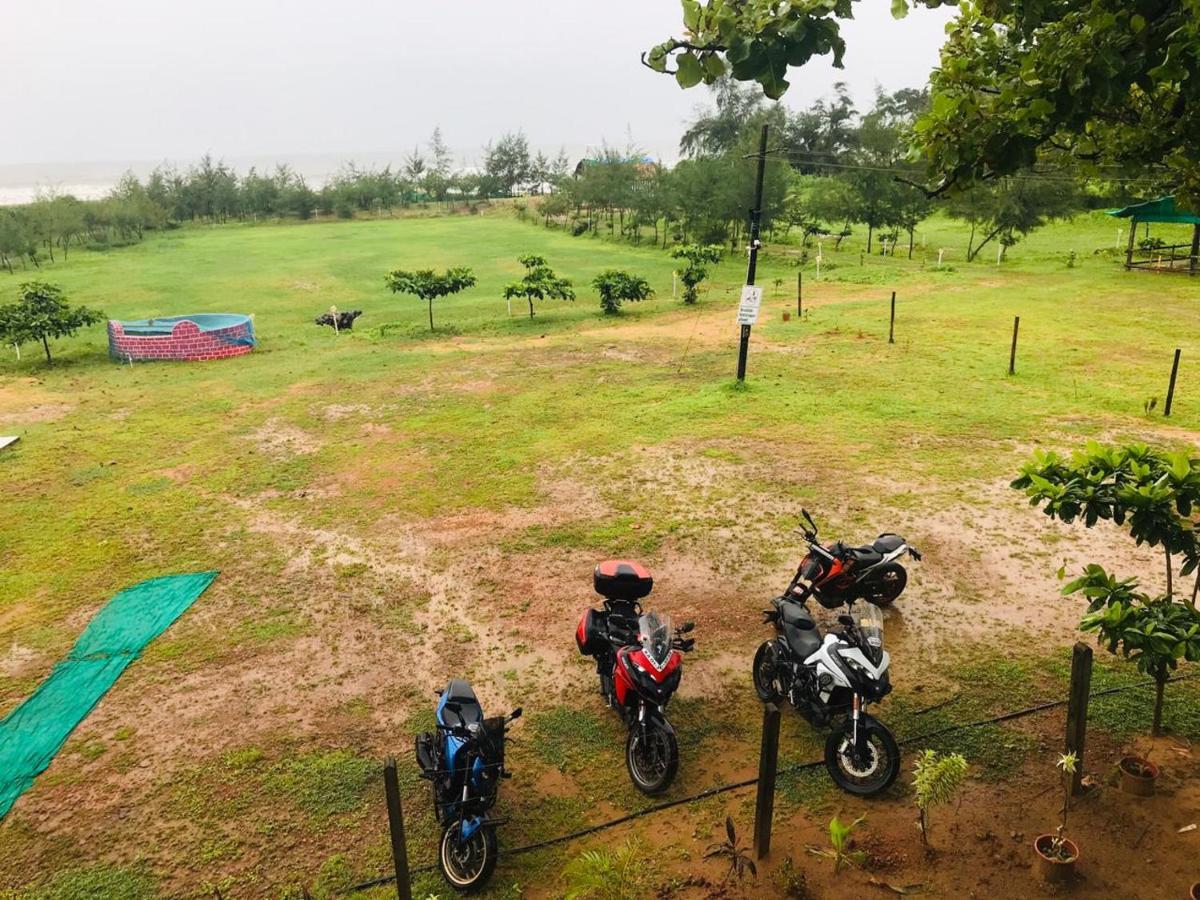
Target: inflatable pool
(202,336)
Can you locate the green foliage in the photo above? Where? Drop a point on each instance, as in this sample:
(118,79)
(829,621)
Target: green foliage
(697,257)
(430,285)
(1154,493)
(607,874)
(1010,208)
(1106,82)
(840,847)
(738,856)
(41,313)
(616,287)
(753,40)
(936,779)
(539,283)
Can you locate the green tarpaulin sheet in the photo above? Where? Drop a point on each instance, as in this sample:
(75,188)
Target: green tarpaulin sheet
(32,733)
(1160,210)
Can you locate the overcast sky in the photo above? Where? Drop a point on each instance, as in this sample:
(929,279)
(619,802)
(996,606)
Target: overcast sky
(145,80)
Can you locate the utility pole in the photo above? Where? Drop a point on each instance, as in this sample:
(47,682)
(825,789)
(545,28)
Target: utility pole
(752,298)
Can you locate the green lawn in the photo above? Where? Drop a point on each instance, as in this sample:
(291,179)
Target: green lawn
(390,507)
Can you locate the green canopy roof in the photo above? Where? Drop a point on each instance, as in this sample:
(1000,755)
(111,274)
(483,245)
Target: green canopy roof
(1160,210)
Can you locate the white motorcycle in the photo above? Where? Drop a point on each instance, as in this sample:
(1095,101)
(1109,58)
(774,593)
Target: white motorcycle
(832,679)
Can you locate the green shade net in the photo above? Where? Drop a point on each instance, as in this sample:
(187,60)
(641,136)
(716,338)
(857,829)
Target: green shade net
(34,732)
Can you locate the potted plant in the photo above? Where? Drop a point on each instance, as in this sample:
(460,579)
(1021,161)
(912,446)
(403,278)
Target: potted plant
(1056,854)
(1137,775)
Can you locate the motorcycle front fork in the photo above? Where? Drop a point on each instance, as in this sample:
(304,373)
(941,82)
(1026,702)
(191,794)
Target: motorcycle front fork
(856,711)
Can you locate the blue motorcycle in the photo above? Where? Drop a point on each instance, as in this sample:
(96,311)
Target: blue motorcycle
(464,760)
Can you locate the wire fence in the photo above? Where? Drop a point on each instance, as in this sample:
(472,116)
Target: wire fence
(786,770)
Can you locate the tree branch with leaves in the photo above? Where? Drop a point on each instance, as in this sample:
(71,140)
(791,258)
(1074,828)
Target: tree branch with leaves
(1155,494)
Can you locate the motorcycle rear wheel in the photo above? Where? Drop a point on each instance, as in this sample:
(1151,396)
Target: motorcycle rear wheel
(871,773)
(888,585)
(467,865)
(765,673)
(651,756)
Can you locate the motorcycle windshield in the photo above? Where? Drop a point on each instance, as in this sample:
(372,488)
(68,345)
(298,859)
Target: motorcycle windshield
(655,634)
(869,621)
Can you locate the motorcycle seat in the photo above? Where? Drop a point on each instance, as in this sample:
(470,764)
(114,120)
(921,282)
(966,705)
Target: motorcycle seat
(460,693)
(887,542)
(865,556)
(797,616)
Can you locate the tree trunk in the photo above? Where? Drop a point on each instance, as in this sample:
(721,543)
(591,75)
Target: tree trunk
(1160,682)
(971,243)
(1170,576)
(870,235)
(971,256)
(530,299)
(1196,588)
(910,242)
(46,347)
(431,314)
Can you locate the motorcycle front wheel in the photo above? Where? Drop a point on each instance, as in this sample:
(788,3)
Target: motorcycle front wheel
(864,771)
(766,673)
(467,865)
(652,756)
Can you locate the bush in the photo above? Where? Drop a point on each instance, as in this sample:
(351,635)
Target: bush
(616,287)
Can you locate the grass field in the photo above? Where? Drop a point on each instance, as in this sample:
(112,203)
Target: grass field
(389,508)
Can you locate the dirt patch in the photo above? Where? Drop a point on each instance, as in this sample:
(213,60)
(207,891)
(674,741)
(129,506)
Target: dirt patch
(25,403)
(335,412)
(283,440)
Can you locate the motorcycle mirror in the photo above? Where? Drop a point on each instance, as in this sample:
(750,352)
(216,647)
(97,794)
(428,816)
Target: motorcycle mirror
(846,620)
(686,627)
(804,512)
(914,553)
(516,713)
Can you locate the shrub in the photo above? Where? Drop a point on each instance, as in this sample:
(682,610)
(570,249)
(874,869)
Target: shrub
(616,287)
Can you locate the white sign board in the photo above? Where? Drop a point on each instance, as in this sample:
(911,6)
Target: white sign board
(751,301)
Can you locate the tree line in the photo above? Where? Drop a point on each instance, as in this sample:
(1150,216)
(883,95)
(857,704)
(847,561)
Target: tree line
(830,168)
(210,191)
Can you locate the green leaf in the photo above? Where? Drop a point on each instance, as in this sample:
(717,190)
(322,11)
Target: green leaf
(689,73)
(899,9)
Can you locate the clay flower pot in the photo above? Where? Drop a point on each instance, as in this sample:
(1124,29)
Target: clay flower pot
(1137,776)
(1194,893)
(1054,857)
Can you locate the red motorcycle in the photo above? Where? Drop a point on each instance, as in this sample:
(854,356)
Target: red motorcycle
(639,660)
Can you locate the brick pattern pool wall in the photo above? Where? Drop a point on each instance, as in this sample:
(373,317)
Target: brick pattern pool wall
(186,341)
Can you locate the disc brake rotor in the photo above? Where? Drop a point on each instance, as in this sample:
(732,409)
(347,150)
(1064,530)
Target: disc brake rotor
(851,762)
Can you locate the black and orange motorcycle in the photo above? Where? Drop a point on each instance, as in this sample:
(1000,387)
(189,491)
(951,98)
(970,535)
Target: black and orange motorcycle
(838,574)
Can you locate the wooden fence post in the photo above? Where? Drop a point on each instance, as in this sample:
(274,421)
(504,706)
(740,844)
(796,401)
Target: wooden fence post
(391,788)
(892,324)
(768,760)
(1171,386)
(1077,708)
(1012,356)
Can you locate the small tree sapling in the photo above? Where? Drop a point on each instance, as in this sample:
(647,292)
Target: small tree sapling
(41,313)
(1155,493)
(430,285)
(616,287)
(698,257)
(936,779)
(539,283)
